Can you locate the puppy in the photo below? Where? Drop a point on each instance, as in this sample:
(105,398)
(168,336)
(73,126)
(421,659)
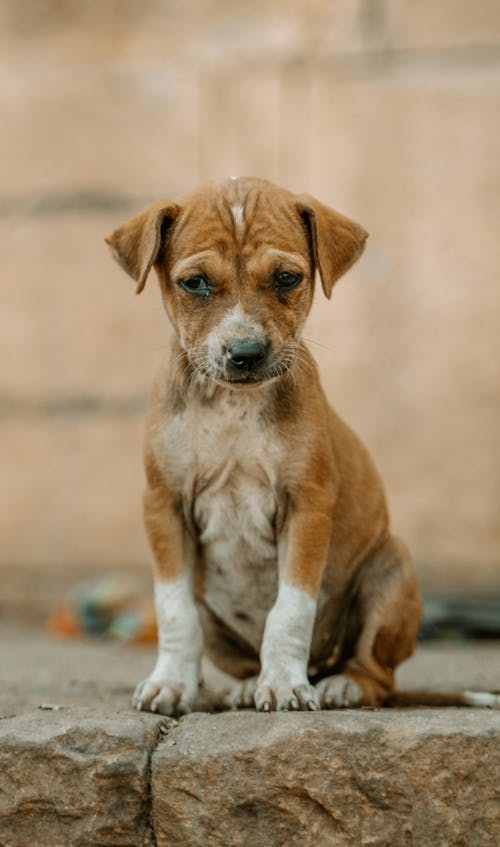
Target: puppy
(265,514)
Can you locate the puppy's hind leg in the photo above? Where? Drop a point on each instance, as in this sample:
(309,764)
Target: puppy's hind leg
(388,607)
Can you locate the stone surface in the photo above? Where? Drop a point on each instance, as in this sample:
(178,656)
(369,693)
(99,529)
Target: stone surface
(38,669)
(329,780)
(76,778)
(78,771)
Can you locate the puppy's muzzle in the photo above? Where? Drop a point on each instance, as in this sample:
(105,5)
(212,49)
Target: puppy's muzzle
(246,355)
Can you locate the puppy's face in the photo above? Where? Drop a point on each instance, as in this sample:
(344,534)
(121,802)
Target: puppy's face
(236,264)
(237,281)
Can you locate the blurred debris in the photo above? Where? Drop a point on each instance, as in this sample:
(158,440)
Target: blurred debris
(460,617)
(106,607)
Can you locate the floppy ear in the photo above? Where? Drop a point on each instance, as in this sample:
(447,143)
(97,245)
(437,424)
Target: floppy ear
(337,242)
(135,244)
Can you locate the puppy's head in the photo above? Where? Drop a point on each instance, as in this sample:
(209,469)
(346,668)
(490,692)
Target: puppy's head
(236,263)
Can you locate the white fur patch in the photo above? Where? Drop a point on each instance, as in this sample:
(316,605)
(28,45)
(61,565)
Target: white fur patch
(235,323)
(226,466)
(234,317)
(238,215)
(235,515)
(287,638)
(482,699)
(179,635)
(177,618)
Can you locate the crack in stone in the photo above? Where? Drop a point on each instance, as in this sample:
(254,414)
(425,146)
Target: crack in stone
(163,728)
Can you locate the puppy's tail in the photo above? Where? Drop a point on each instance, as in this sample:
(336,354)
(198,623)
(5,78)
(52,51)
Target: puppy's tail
(476,699)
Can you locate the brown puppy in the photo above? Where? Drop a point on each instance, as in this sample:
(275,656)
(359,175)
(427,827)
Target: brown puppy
(260,502)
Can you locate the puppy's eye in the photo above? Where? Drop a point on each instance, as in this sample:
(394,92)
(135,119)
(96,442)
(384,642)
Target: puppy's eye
(285,280)
(198,285)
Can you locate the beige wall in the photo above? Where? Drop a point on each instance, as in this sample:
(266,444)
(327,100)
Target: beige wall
(388,110)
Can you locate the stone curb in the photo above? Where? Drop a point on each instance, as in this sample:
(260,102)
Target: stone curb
(388,778)
(85,777)
(74,776)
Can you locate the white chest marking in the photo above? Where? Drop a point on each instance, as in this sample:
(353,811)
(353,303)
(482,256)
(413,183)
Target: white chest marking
(227,465)
(235,515)
(238,215)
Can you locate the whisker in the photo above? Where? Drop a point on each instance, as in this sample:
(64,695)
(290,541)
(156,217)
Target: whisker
(316,343)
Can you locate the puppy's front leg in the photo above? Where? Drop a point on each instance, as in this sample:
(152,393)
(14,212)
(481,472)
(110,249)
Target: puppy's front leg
(302,553)
(173,684)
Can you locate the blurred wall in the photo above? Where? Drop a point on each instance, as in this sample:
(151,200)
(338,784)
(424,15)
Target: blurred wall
(389,110)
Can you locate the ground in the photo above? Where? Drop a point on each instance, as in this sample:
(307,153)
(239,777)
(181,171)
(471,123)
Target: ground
(79,767)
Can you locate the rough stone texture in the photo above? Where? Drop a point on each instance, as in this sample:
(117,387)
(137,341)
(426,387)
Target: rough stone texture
(329,780)
(76,778)
(77,772)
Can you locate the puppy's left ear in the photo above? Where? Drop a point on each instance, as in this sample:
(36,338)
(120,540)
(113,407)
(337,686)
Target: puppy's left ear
(337,242)
(136,244)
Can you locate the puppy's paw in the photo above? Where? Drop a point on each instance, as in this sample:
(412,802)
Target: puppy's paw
(241,695)
(270,698)
(165,698)
(338,692)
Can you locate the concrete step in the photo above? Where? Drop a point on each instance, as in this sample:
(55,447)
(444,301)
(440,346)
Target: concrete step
(79,767)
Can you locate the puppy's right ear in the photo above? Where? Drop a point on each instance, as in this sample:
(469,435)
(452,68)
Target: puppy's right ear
(136,244)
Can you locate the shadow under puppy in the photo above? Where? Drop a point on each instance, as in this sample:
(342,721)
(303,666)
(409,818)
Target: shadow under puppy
(265,514)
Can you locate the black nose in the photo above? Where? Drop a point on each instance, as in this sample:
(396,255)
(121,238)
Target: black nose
(247,352)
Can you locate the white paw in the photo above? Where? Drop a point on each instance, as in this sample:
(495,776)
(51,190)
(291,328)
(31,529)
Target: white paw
(169,696)
(337,692)
(270,698)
